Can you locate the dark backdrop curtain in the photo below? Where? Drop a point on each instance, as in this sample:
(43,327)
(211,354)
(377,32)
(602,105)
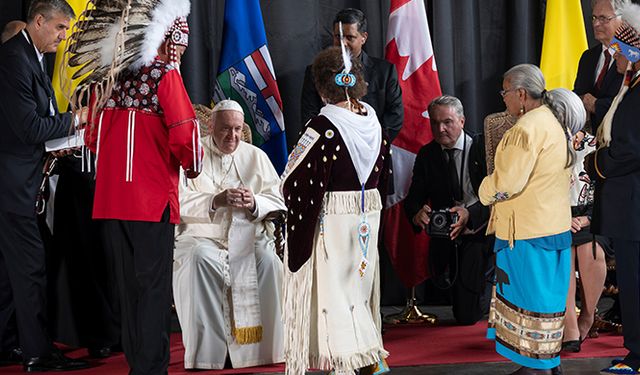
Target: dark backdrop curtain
(475,42)
(12,10)
(296,31)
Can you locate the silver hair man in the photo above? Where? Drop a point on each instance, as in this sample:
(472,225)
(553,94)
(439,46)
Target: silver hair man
(449,101)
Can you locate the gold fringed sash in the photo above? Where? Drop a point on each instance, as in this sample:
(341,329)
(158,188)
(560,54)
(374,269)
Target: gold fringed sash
(247,335)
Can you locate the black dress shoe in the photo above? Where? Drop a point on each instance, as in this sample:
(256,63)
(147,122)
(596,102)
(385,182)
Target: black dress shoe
(11,357)
(54,362)
(573,346)
(103,352)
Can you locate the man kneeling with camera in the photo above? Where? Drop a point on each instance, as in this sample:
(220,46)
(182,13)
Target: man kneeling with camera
(443,200)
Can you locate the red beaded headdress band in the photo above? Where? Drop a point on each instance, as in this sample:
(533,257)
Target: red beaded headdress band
(178,35)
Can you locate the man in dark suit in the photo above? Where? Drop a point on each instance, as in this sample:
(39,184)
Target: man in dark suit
(28,118)
(597,81)
(9,352)
(383,91)
(616,169)
(446,175)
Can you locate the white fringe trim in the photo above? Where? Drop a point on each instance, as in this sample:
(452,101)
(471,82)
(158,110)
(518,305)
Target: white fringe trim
(349,202)
(351,362)
(366,357)
(297,316)
(297,301)
(95,166)
(374,301)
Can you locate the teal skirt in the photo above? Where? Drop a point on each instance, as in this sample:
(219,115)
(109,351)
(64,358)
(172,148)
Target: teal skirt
(527,311)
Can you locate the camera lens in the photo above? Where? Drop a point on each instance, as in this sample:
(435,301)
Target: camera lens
(439,221)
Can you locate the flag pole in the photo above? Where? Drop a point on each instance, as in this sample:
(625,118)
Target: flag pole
(411,314)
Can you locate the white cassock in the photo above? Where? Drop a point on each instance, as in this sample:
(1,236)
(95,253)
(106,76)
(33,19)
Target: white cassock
(204,277)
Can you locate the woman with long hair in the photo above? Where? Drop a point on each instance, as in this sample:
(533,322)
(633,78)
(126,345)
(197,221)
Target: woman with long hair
(531,218)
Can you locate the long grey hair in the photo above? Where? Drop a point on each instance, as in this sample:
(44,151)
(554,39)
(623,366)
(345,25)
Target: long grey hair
(565,105)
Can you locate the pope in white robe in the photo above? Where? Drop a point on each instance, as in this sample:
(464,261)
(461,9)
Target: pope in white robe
(227,277)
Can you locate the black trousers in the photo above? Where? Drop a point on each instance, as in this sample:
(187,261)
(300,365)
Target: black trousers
(84,308)
(628,270)
(467,271)
(23,285)
(143,253)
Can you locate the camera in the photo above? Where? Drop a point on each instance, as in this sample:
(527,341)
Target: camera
(440,222)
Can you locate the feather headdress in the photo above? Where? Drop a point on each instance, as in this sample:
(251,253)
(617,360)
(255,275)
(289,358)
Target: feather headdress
(115,35)
(626,40)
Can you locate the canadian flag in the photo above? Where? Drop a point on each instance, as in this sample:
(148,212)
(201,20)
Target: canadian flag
(409,49)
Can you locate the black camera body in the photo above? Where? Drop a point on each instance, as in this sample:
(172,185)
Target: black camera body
(440,222)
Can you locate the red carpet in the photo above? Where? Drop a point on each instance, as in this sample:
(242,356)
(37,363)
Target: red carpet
(411,346)
(408,345)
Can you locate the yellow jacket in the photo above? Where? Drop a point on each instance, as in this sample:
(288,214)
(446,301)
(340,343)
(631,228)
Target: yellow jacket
(529,189)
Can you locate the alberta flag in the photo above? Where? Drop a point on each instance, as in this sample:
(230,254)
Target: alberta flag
(246,75)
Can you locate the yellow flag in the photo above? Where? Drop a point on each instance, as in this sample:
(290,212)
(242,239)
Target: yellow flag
(563,42)
(57,82)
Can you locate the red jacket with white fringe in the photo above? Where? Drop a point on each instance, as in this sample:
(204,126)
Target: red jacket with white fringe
(145,132)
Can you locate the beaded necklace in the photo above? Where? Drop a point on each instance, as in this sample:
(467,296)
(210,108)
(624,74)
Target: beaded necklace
(364,233)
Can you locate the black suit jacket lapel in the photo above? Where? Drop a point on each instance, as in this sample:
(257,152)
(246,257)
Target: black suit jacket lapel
(43,77)
(594,57)
(366,61)
(39,72)
(368,66)
(610,76)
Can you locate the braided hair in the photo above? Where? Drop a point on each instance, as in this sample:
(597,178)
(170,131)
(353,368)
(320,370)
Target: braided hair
(565,105)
